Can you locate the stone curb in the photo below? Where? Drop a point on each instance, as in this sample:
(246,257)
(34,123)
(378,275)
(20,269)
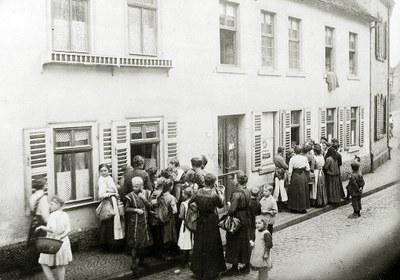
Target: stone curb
(171,264)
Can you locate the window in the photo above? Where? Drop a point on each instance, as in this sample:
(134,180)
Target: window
(73,163)
(353,54)
(381,40)
(329,49)
(228,33)
(330,124)
(70,25)
(380,116)
(267,39)
(295,127)
(353,126)
(294,44)
(142,27)
(145,141)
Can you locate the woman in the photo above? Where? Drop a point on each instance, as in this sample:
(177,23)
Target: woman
(280,171)
(332,177)
(111,230)
(238,243)
(138,235)
(208,255)
(298,192)
(319,190)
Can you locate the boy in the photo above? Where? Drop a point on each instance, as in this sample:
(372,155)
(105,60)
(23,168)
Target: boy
(354,188)
(269,208)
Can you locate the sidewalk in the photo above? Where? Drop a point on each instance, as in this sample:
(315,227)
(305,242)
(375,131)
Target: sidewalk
(99,265)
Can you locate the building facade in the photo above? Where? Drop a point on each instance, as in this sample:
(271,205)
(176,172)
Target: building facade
(93,81)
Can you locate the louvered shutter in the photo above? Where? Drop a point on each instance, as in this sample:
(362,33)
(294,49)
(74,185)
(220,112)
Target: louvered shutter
(362,125)
(120,148)
(377,39)
(322,121)
(257,140)
(286,130)
(307,125)
(105,145)
(385,40)
(341,126)
(348,126)
(171,139)
(37,158)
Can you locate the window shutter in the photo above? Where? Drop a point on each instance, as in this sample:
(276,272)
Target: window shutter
(322,113)
(307,125)
(171,137)
(348,126)
(120,148)
(385,40)
(257,140)
(377,39)
(37,158)
(341,126)
(105,145)
(286,130)
(379,116)
(362,124)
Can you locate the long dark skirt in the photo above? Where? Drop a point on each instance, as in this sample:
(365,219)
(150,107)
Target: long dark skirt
(238,244)
(333,188)
(208,255)
(107,232)
(322,198)
(298,191)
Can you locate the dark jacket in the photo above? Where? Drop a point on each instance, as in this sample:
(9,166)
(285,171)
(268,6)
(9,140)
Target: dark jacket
(355,185)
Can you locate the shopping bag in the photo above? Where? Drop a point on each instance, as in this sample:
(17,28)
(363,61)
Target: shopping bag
(229,223)
(105,210)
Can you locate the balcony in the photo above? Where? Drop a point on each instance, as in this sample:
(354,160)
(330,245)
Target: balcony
(113,61)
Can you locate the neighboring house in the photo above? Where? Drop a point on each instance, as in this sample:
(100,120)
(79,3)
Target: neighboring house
(86,82)
(380,93)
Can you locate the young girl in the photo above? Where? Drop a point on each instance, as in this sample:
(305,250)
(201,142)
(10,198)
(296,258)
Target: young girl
(261,253)
(58,227)
(185,241)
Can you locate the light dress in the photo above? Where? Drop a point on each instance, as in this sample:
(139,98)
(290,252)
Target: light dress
(257,255)
(185,241)
(59,223)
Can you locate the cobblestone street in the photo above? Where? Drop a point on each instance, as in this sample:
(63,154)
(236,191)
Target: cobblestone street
(331,246)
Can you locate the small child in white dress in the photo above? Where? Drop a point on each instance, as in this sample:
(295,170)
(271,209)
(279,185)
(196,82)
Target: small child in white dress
(185,241)
(261,254)
(58,227)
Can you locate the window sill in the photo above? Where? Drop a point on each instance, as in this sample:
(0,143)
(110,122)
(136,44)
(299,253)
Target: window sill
(269,72)
(79,204)
(353,78)
(352,149)
(113,61)
(296,74)
(230,69)
(267,169)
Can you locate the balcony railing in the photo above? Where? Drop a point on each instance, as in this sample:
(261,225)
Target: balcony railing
(96,60)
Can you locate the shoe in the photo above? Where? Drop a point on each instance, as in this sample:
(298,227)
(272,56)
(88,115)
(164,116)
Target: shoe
(353,216)
(245,269)
(231,272)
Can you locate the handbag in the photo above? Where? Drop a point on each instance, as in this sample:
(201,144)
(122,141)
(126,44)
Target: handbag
(105,210)
(229,223)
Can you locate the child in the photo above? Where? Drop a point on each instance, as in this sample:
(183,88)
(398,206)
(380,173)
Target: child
(185,241)
(254,209)
(269,208)
(137,233)
(354,189)
(58,227)
(262,244)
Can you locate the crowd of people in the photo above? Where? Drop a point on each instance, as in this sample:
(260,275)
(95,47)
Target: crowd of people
(146,213)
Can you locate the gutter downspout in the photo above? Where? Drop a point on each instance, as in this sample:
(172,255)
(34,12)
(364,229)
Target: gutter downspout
(371,55)
(388,103)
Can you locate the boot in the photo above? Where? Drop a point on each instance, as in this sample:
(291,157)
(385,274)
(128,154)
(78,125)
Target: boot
(234,270)
(245,269)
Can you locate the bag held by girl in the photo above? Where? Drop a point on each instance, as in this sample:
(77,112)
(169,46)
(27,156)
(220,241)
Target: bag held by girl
(191,217)
(229,223)
(105,210)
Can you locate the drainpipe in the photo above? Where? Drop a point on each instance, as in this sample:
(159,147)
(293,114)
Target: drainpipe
(371,55)
(388,103)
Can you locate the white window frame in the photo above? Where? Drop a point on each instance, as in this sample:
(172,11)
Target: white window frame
(230,28)
(331,46)
(353,50)
(94,157)
(300,125)
(334,121)
(155,7)
(357,123)
(88,39)
(298,41)
(272,36)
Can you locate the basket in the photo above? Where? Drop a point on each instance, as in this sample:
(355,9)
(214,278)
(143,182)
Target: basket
(48,245)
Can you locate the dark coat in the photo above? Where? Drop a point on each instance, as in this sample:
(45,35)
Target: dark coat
(355,185)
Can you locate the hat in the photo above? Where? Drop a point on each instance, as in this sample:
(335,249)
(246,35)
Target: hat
(355,165)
